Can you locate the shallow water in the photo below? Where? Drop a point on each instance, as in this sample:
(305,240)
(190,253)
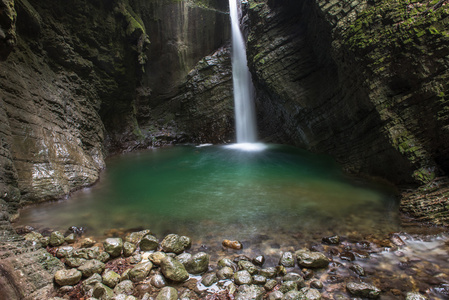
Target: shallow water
(223,192)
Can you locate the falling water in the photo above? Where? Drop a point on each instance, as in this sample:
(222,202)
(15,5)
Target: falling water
(245,120)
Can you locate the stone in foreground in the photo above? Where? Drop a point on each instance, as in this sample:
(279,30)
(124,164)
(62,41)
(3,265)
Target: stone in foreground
(173,269)
(167,293)
(113,246)
(68,277)
(363,290)
(310,259)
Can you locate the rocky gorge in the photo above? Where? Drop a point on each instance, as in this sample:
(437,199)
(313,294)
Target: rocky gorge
(364,81)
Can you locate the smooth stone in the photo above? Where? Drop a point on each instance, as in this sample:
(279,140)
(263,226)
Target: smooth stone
(226,262)
(293,295)
(113,246)
(357,269)
(157,257)
(188,295)
(101,291)
(68,277)
(331,240)
(64,251)
(87,242)
(259,279)
(271,283)
(310,259)
(363,290)
(225,273)
(183,258)
(125,275)
(287,260)
(311,294)
(167,293)
(87,253)
(258,260)
(415,296)
(135,259)
(140,271)
(198,263)
(269,272)
(111,278)
(349,256)
(173,269)
(250,292)
(56,239)
(243,277)
(287,286)
(125,287)
(276,295)
(209,279)
(316,284)
(175,243)
(91,267)
(248,266)
(296,278)
(89,283)
(71,238)
(149,243)
(236,245)
(158,281)
(103,257)
(124,297)
(135,237)
(128,249)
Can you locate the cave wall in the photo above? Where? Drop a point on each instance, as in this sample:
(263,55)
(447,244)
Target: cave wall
(362,81)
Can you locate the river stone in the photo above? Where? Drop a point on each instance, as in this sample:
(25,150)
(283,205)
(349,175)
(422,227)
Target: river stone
(167,293)
(91,267)
(259,279)
(173,269)
(89,283)
(68,277)
(358,269)
(294,295)
(113,246)
(125,275)
(198,263)
(56,239)
(271,283)
(243,277)
(311,294)
(158,281)
(87,253)
(183,258)
(287,286)
(287,260)
(248,266)
(258,260)
(103,257)
(125,287)
(296,278)
(276,295)
(226,262)
(363,290)
(126,297)
(415,296)
(87,242)
(149,243)
(110,278)
(135,237)
(331,240)
(269,272)
(71,238)
(101,291)
(157,257)
(34,237)
(309,259)
(249,292)
(209,279)
(316,284)
(64,251)
(175,243)
(140,271)
(225,273)
(128,249)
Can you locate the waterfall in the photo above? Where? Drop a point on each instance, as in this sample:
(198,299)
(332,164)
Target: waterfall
(245,120)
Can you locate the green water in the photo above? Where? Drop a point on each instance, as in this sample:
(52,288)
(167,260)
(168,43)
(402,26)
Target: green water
(225,193)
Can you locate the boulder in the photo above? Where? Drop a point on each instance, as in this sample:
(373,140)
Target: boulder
(157,257)
(100,291)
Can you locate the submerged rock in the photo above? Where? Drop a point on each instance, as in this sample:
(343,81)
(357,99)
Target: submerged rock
(173,269)
(363,290)
(68,277)
(236,245)
(311,259)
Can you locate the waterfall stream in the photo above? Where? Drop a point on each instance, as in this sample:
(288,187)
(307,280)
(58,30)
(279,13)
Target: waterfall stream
(245,120)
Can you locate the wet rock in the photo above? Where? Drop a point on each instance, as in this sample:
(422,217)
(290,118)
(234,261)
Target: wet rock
(21,229)
(100,291)
(126,297)
(87,253)
(175,243)
(271,283)
(125,287)
(346,255)
(415,296)
(71,238)
(311,294)
(158,281)
(87,242)
(183,258)
(68,277)
(56,239)
(128,249)
(78,231)
(363,290)
(248,266)
(136,258)
(316,284)
(276,295)
(173,269)
(74,262)
(167,293)
(269,272)
(125,275)
(113,246)
(140,271)
(357,269)
(287,260)
(281,270)
(149,243)
(91,267)
(103,257)
(258,260)
(293,295)
(331,240)
(236,245)
(311,259)
(111,278)
(135,237)
(34,237)
(259,280)
(226,262)
(188,295)
(209,279)
(64,251)
(287,286)
(88,284)
(296,278)
(250,292)
(307,273)
(243,277)
(225,273)
(157,257)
